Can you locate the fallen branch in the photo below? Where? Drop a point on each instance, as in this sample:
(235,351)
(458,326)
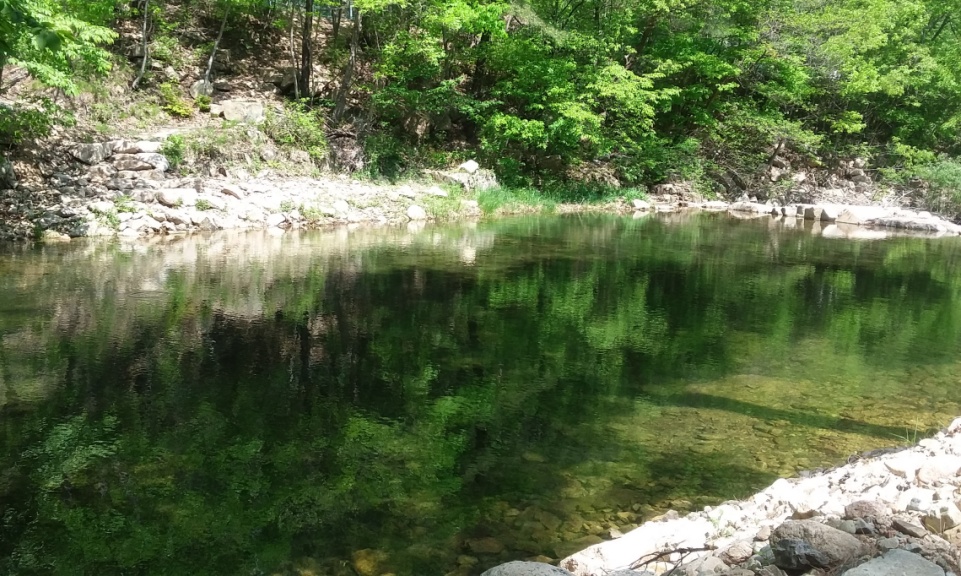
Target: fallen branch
(657,556)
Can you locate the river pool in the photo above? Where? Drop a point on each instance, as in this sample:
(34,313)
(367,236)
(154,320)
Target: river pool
(440,399)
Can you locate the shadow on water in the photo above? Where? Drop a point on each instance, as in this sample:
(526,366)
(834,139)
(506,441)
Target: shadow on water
(392,407)
(791,417)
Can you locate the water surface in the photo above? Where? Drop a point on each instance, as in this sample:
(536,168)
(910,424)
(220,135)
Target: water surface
(435,401)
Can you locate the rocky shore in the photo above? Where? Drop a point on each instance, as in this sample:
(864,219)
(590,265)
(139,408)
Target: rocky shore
(128,188)
(885,513)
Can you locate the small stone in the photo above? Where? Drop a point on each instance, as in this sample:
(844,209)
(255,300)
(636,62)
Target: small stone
(368,562)
(847,526)
(864,509)
(176,197)
(763,533)
(52,236)
(231,190)
(470,167)
(862,527)
(640,205)
(275,220)
(212,201)
(415,212)
(737,553)
(8,179)
(947,516)
(464,560)
(342,207)
(909,528)
(888,543)
(437,191)
(489,546)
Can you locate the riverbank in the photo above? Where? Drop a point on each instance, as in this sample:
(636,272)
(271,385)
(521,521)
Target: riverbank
(129,189)
(886,512)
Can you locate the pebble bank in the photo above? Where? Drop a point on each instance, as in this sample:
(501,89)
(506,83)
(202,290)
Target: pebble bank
(128,188)
(885,513)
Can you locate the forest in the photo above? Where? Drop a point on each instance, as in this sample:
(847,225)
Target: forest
(619,92)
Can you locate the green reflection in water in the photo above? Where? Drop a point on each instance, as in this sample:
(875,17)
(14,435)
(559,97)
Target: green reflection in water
(436,401)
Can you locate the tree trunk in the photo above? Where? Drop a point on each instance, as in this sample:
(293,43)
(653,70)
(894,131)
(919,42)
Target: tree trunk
(306,43)
(213,53)
(293,55)
(146,50)
(335,23)
(346,81)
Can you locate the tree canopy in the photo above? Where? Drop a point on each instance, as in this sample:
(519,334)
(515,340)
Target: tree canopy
(554,90)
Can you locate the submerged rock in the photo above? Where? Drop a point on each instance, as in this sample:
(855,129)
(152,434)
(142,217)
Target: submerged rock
(518,568)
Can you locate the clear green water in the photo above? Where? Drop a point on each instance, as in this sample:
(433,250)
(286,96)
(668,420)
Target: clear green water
(437,401)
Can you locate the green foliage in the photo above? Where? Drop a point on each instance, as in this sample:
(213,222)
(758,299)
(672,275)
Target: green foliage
(386,156)
(57,42)
(203,103)
(19,124)
(124,204)
(204,204)
(942,180)
(644,90)
(174,148)
(298,127)
(173,102)
(514,199)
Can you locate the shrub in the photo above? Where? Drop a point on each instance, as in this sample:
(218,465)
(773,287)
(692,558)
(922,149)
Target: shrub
(174,149)
(298,127)
(203,103)
(19,124)
(942,180)
(173,102)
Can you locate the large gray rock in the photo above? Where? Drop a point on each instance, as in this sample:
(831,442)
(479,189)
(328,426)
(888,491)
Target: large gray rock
(518,568)
(897,563)
(177,197)
(415,212)
(804,544)
(470,166)
(132,147)
(102,172)
(201,88)
(91,153)
(249,111)
(7,177)
(941,469)
(860,214)
(141,161)
(750,207)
